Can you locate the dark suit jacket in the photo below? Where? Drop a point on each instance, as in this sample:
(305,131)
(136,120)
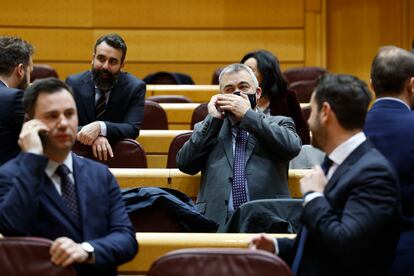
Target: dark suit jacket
(288,105)
(354,228)
(11,120)
(31,206)
(390,126)
(125,108)
(271,144)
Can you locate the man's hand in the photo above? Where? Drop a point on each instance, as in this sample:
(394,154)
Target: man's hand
(102,149)
(262,242)
(65,251)
(235,104)
(29,138)
(88,134)
(213,108)
(314,180)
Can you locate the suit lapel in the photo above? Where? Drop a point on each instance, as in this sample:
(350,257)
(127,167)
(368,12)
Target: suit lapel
(251,143)
(346,165)
(225,136)
(56,199)
(79,174)
(87,93)
(117,96)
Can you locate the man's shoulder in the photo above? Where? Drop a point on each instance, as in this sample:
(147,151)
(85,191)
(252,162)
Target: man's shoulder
(9,93)
(76,78)
(126,78)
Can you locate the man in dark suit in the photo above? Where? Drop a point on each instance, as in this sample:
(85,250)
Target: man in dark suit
(47,191)
(350,215)
(390,126)
(16,64)
(110,102)
(242,153)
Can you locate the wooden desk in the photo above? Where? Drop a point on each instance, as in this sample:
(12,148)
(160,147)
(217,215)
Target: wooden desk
(197,93)
(156,144)
(154,245)
(179,114)
(188,184)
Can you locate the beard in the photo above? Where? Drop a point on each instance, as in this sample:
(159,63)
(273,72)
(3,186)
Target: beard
(24,83)
(104,83)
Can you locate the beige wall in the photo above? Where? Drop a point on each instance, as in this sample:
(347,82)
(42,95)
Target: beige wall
(182,35)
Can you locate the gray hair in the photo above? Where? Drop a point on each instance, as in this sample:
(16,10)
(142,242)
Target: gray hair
(237,67)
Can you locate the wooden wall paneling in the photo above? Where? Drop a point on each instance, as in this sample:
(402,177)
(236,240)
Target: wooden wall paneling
(356,30)
(208,45)
(409,29)
(315,33)
(190,14)
(64,69)
(56,44)
(47,13)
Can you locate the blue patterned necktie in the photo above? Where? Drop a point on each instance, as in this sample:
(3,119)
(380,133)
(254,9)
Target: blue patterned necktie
(239,174)
(68,190)
(325,165)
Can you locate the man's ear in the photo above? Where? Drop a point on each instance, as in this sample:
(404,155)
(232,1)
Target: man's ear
(325,113)
(258,92)
(19,70)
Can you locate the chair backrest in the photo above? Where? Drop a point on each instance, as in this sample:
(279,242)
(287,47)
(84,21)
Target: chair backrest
(306,110)
(22,256)
(169,99)
(199,114)
(164,77)
(41,71)
(176,144)
(216,75)
(155,116)
(304,73)
(280,215)
(303,89)
(219,262)
(128,153)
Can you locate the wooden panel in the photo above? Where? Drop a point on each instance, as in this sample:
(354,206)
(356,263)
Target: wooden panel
(157,160)
(157,141)
(313,6)
(49,13)
(201,73)
(179,114)
(356,30)
(154,245)
(208,45)
(197,93)
(130,178)
(198,14)
(188,184)
(410,24)
(56,44)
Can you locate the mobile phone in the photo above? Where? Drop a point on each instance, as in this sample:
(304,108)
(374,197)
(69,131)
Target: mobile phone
(43,134)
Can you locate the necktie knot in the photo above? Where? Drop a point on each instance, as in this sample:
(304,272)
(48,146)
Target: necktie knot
(62,170)
(326,164)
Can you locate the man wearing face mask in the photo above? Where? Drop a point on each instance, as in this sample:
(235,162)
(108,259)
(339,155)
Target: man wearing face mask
(242,153)
(110,102)
(16,64)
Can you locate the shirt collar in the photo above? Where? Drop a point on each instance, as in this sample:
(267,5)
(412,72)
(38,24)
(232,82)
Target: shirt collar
(52,165)
(4,83)
(341,152)
(393,99)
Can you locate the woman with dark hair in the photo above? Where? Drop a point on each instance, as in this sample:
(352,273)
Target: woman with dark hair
(276,98)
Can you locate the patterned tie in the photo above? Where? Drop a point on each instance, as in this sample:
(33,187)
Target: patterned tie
(100,105)
(68,191)
(239,175)
(325,165)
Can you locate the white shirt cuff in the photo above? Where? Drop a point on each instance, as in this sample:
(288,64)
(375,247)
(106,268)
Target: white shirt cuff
(103,128)
(276,246)
(311,196)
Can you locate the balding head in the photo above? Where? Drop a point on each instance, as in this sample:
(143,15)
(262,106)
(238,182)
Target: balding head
(391,69)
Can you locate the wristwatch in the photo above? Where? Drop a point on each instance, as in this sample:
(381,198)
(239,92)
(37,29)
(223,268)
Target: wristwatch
(89,249)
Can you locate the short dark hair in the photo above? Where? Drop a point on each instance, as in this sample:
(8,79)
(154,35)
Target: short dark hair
(14,51)
(274,82)
(348,96)
(390,69)
(47,85)
(115,41)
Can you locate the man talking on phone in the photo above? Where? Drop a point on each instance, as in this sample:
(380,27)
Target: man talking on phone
(242,153)
(47,191)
